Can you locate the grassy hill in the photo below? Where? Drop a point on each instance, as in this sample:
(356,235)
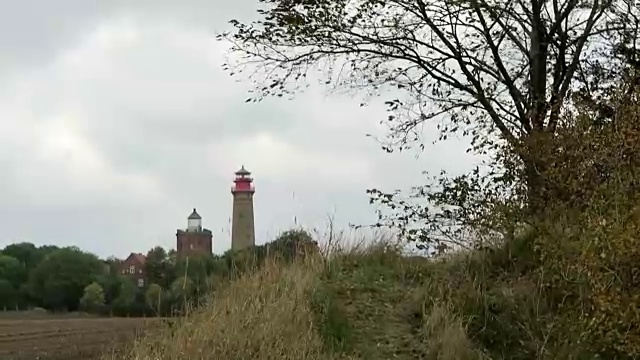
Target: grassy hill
(373,303)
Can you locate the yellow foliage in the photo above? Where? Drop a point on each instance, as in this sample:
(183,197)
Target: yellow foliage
(591,244)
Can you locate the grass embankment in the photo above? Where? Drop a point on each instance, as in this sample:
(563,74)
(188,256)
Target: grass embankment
(264,314)
(371,303)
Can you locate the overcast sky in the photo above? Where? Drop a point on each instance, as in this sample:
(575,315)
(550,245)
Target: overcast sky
(116,120)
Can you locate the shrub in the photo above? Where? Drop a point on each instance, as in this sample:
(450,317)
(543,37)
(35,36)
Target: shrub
(93,299)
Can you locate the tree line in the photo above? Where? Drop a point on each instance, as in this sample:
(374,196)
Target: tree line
(62,279)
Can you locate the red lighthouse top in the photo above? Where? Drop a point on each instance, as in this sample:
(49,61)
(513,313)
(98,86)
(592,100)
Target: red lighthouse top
(242,181)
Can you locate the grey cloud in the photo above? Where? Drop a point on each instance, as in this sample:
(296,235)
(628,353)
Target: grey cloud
(32,31)
(164,129)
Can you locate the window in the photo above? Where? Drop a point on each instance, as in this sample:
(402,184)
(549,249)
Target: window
(132,269)
(140,282)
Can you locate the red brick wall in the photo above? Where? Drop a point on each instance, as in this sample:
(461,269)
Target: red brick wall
(188,243)
(138,273)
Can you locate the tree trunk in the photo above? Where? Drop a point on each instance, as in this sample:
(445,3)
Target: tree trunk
(536,163)
(536,190)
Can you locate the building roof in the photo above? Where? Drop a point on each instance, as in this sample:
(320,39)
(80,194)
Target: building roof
(243,171)
(201,231)
(194,215)
(138,257)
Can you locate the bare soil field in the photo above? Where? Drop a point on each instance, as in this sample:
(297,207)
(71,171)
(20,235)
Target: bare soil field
(67,338)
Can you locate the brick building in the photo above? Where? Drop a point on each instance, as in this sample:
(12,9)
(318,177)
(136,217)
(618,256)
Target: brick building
(133,267)
(195,239)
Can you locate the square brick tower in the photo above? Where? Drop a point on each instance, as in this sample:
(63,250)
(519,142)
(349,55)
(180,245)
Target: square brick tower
(195,239)
(242,226)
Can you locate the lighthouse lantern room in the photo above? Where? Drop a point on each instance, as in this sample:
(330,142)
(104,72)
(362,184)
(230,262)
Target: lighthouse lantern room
(242,182)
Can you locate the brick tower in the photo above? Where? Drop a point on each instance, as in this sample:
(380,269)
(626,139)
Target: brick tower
(242,227)
(195,239)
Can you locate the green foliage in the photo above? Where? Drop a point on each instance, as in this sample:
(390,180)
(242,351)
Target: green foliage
(242,262)
(57,278)
(8,295)
(127,294)
(158,267)
(333,325)
(111,284)
(58,281)
(182,289)
(370,304)
(113,265)
(26,253)
(12,270)
(197,268)
(93,299)
(154,297)
(286,247)
(182,294)
(291,244)
(125,303)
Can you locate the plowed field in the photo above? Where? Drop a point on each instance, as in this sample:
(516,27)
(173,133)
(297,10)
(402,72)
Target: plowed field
(67,339)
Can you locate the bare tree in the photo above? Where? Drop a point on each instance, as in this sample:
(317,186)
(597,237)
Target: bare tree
(504,72)
(494,69)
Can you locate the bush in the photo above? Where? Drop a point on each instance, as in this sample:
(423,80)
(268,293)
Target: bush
(589,245)
(286,247)
(93,299)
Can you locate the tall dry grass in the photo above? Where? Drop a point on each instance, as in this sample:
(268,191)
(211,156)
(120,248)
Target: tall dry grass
(445,335)
(262,315)
(359,298)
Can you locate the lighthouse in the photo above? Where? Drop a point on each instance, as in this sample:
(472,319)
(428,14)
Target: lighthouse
(242,226)
(194,239)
